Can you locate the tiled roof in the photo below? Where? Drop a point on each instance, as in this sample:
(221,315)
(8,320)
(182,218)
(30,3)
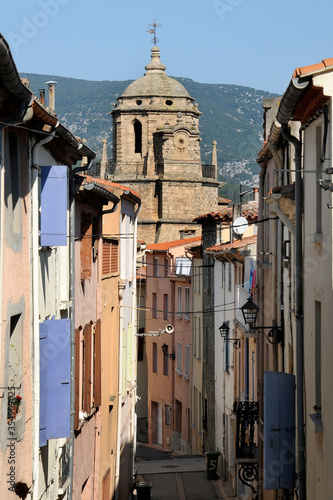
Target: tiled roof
(235,245)
(111,186)
(223,201)
(249,211)
(164,246)
(313,68)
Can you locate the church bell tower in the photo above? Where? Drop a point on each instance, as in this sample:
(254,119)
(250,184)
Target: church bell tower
(156,151)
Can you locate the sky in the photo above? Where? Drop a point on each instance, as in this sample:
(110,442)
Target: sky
(254,43)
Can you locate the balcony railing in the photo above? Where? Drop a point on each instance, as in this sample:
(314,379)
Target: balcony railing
(209,171)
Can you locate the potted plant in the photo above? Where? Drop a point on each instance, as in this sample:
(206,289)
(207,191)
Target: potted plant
(14,403)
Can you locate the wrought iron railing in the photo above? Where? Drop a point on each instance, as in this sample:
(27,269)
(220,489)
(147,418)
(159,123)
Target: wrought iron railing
(209,171)
(64,464)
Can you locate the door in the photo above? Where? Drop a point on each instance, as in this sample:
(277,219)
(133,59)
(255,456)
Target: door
(159,425)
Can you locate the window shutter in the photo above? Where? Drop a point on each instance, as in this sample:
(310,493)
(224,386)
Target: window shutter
(279,430)
(77,379)
(106,260)
(110,257)
(98,365)
(87,368)
(54,380)
(86,245)
(53,215)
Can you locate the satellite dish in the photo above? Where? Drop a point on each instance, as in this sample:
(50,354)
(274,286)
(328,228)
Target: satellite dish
(240,225)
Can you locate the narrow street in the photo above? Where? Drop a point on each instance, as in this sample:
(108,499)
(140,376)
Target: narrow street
(176,477)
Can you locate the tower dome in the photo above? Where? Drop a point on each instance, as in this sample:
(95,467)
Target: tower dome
(155,81)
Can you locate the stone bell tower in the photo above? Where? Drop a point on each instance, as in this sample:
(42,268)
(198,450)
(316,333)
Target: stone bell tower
(156,151)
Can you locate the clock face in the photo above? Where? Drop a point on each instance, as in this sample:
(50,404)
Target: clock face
(180,141)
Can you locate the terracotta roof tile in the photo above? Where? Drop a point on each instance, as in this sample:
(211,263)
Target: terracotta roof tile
(249,210)
(312,68)
(235,245)
(108,184)
(164,246)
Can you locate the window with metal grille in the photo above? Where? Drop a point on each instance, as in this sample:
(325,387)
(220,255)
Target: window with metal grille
(187,362)
(187,304)
(154,357)
(110,257)
(179,302)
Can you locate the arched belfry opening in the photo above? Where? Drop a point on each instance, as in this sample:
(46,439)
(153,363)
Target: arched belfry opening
(138,136)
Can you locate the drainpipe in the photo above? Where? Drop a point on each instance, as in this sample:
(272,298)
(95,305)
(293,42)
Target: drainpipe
(261,341)
(35,304)
(135,326)
(300,442)
(121,287)
(72,311)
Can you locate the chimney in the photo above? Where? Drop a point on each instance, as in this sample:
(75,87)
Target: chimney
(42,96)
(51,85)
(104,161)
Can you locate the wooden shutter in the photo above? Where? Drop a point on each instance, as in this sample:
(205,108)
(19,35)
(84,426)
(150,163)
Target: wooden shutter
(54,380)
(279,430)
(53,216)
(77,379)
(87,340)
(98,365)
(86,245)
(110,257)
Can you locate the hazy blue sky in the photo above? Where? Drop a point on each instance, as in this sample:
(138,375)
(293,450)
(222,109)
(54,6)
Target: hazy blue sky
(256,43)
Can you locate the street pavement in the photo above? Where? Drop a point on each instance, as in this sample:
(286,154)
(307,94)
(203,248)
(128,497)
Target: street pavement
(175,477)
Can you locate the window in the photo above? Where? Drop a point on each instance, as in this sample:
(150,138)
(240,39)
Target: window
(226,362)
(179,302)
(179,358)
(319,190)
(187,362)
(166,268)
(86,245)
(166,307)
(110,257)
(165,365)
(154,306)
(138,136)
(222,275)
(318,347)
(155,267)
(229,277)
(154,357)
(167,415)
(194,336)
(187,304)
(183,266)
(199,335)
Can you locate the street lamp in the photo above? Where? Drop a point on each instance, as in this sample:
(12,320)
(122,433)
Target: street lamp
(165,350)
(250,312)
(224,331)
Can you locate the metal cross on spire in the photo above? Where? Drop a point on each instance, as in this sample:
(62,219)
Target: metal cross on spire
(152,31)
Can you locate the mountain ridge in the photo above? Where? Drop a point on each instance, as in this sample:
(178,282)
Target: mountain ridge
(231,115)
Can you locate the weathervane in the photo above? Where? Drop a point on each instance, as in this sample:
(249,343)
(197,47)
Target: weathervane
(152,31)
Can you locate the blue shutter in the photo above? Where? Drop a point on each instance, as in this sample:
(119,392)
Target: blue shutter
(54,206)
(279,430)
(54,380)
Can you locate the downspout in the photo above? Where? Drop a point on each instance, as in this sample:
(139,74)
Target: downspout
(300,442)
(34,189)
(72,312)
(135,326)
(121,287)
(261,340)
